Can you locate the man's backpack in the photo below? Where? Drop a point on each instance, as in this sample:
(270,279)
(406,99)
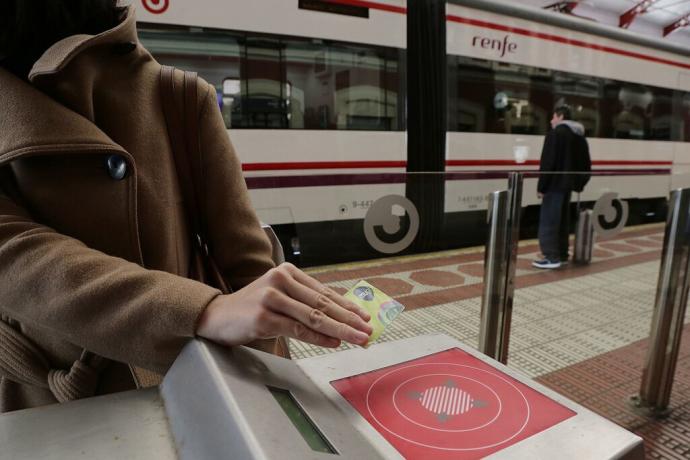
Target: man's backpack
(582,163)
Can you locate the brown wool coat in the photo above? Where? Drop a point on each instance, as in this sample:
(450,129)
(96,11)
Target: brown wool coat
(91,262)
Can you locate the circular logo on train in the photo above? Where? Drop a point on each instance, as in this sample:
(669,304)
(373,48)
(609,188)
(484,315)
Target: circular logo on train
(609,214)
(156,6)
(449,407)
(391,224)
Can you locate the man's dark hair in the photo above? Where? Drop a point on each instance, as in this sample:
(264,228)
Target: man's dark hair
(29,27)
(564,111)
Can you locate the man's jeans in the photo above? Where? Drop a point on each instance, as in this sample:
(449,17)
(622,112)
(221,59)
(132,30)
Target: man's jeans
(554,222)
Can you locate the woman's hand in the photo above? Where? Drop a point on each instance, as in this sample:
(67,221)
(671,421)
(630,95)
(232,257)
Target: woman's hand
(285,301)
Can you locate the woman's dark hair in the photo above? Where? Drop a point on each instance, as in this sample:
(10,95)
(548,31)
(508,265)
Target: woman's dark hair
(564,111)
(29,27)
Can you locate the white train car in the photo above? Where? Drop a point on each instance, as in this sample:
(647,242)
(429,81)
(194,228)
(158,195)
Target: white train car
(314,93)
(311,98)
(509,67)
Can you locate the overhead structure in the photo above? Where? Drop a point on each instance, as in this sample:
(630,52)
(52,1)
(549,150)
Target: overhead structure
(652,18)
(562,7)
(629,16)
(678,24)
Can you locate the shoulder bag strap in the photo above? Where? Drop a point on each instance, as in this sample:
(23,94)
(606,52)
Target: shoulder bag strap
(188,162)
(183,128)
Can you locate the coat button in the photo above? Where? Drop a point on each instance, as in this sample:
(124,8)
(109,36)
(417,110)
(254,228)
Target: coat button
(117,167)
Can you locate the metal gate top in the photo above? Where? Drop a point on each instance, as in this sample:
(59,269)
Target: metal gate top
(426,397)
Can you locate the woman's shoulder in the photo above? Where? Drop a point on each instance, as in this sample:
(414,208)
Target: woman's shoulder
(205,92)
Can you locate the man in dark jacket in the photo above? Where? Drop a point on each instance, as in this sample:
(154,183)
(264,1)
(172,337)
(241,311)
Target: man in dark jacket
(565,151)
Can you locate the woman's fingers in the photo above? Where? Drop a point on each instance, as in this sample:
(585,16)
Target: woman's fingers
(316,320)
(310,282)
(321,301)
(282,325)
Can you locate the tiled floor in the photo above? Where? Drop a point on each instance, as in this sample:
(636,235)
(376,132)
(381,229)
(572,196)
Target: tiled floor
(580,329)
(605,383)
(585,310)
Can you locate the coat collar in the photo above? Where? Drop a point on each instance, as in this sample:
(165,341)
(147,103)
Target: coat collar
(31,122)
(61,53)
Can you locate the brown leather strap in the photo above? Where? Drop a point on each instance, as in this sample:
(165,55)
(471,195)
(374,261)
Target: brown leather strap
(191,130)
(179,136)
(188,162)
(183,127)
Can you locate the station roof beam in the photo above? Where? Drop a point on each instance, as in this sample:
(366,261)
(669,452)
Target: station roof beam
(629,16)
(562,7)
(681,22)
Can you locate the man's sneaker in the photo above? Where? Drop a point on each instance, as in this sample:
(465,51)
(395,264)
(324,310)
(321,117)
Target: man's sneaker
(546,263)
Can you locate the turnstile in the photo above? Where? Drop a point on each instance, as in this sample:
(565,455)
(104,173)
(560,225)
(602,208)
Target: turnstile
(426,397)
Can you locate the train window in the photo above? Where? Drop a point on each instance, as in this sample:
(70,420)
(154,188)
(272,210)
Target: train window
(636,111)
(214,56)
(487,96)
(339,86)
(583,95)
(497,97)
(682,111)
(289,83)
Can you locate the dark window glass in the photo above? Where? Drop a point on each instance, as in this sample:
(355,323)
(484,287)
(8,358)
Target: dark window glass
(682,126)
(496,97)
(214,56)
(583,95)
(274,82)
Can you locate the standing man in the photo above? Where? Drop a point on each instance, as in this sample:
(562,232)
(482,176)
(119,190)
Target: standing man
(565,150)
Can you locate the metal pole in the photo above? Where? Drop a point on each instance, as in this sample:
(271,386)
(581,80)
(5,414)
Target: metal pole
(495,270)
(669,309)
(515,190)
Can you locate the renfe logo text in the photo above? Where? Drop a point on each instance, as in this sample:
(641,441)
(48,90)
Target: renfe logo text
(502,46)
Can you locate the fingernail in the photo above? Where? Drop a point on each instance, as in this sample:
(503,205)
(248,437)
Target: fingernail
(361,337)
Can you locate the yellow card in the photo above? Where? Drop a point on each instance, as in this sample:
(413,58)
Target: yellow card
(382,308)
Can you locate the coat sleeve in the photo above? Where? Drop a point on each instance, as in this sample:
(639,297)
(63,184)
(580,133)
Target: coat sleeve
(238,243)
(547,163)
(54,283)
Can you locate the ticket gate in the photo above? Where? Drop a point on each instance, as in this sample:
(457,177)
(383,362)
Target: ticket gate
(428,397)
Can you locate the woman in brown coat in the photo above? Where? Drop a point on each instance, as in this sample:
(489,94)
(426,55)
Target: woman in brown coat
(94,246)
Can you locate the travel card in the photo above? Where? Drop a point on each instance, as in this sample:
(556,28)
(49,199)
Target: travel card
(382,308)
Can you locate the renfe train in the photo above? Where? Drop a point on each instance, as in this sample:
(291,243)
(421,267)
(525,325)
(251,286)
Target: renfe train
(316,97)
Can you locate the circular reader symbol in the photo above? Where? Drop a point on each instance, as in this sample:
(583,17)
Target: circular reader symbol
(382,215)
(609,214)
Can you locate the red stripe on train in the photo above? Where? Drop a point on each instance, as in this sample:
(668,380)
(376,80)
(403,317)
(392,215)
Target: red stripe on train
(536,163)
(284,166)
(372,5)
(564,40)
(322,165)
(520,31)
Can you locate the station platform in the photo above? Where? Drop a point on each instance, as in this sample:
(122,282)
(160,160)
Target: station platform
(580,330)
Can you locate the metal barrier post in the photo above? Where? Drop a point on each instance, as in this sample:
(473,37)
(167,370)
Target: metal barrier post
(669,309)
(500,259)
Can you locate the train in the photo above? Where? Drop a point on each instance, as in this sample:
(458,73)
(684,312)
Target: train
(320,98)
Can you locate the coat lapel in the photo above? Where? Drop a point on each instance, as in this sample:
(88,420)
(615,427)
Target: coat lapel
(32,123)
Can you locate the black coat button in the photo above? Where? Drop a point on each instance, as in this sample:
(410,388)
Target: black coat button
(117,166)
